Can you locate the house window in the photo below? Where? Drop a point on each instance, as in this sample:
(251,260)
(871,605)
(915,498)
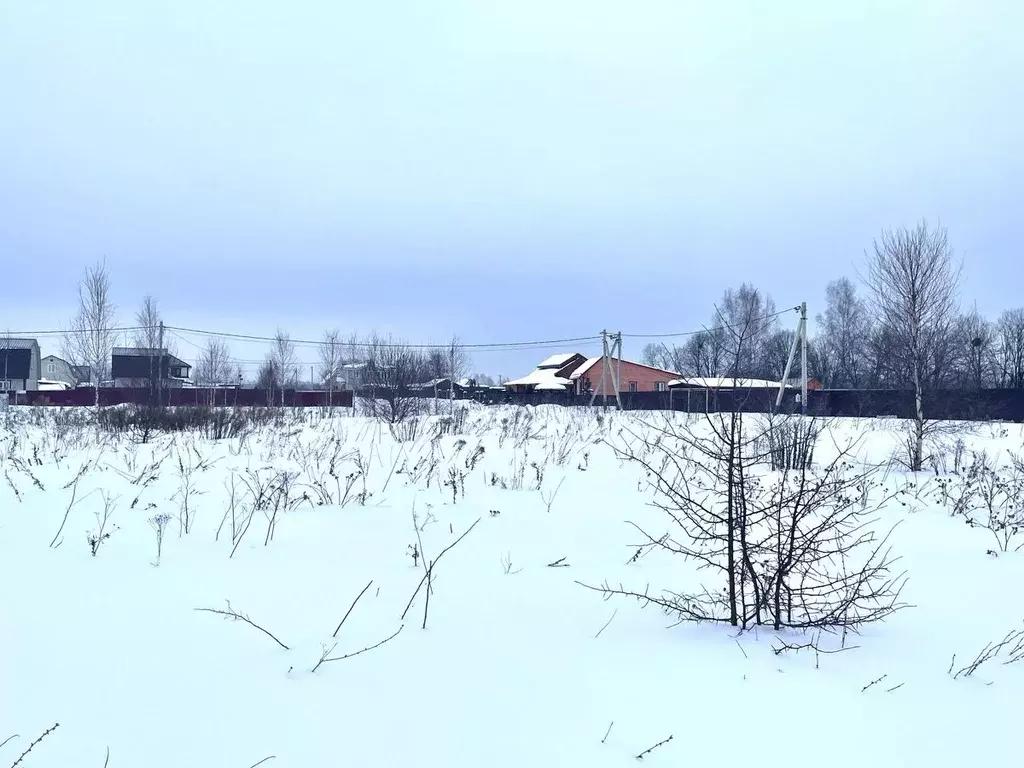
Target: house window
(51,368)
(5,385)
(660,386)
(632,386)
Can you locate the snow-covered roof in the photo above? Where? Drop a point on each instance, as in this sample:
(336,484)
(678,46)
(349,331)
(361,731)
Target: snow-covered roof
(541,378)
(557,361)
(590,363)
(51,385)
(723,382)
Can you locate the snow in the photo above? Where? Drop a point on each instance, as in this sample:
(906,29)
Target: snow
(541,378)
(723,382)
(518,666)
(557,361)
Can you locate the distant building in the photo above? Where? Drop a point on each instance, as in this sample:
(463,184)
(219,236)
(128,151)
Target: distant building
(582,375)
(635,377)
(58,369)
(19,364)
(553,374)
(138,367)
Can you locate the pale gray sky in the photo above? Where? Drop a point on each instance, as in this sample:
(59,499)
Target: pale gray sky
(507,170)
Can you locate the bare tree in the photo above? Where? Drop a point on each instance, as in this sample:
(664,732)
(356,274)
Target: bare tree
(1009,349)
(748,317)
(148,319)
(214,367)
(914,284)
(788,548)
(392,368)
(844,335)
(331,359)
(89,339)
(285,362)
(974,341)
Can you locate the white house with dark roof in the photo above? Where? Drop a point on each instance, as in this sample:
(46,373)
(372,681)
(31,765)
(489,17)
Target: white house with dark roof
(19,364)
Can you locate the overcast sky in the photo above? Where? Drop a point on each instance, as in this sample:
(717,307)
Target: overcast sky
(507,170)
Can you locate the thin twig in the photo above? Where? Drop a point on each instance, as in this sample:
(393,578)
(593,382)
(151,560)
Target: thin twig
(265,759)
(364,650)
(9,738)
(608,731)
(350,608)
(427,574)
(46,733)
(106,760)
(606,624)
(559,563)
(741,648)
(651,749)
(873,682)
(235,616)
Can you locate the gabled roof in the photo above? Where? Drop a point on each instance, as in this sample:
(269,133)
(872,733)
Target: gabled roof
(558,361)
(593,361)
(172,361)
(9,343)
(541,378)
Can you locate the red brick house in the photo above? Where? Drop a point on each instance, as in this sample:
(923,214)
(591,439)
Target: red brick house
(635,377)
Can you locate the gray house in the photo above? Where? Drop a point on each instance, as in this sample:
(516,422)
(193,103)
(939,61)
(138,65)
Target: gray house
(19,364)
(58,369)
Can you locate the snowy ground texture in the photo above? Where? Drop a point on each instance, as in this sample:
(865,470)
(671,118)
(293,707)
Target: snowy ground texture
(518,666)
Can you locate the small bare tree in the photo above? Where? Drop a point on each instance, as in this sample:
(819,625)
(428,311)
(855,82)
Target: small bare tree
(392,368)
(214,367)
(284,362)
(89,339)
(914,284)
(331,358)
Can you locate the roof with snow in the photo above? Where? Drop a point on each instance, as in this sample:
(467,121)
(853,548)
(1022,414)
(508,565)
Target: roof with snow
(541,378)
(557,361)
(723,382)
(593,361)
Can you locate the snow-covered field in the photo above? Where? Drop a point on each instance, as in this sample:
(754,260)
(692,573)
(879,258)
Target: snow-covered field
(519,665)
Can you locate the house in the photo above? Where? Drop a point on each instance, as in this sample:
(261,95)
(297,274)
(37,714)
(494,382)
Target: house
(136,367)
(553,374)
(634,377)
(19,364)
(353,375)
(57,369)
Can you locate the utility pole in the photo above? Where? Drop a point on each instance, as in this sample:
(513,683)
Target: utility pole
(160,373)
(803,358)
(610,375)
(799,339)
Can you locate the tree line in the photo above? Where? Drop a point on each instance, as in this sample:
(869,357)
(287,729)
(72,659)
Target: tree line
(897,325)
(374,361)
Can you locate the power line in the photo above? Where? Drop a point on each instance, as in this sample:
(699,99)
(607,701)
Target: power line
(494,346)
(506,346)
(68,331)
(703,330)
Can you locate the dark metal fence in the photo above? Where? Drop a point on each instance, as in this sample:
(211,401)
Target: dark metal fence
(956,405)
(223,397)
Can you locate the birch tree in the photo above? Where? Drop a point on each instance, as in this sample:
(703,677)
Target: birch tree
(89,339)
(914,283)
